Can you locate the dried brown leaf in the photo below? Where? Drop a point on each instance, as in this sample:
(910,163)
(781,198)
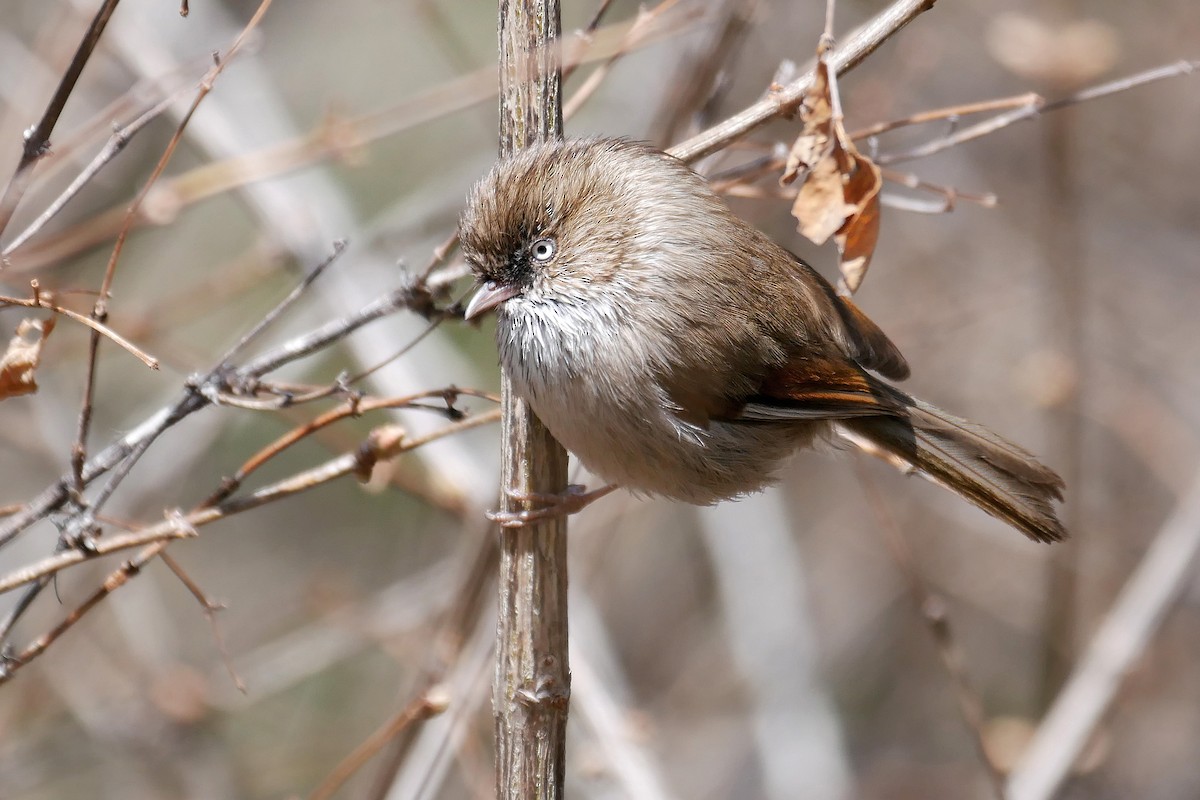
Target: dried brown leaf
(816,140)
(820,207)
(856,239)
(839,195)
(20,360)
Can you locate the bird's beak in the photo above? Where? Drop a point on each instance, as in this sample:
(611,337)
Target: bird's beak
(489,296)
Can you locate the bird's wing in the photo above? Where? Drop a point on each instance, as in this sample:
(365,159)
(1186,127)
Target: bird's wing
(821,388)
(862,338)
(873,349)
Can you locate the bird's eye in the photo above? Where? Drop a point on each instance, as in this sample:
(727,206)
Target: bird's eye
(543,249)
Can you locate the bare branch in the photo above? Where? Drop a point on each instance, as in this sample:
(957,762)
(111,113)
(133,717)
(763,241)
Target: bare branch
(783,101)
(44,300)
(428,702)
(117,142)
(532,687)
(37,138)
(1036,107)
(194,398)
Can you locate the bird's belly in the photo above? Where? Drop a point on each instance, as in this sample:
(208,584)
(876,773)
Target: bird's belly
(640,445)
(619,421)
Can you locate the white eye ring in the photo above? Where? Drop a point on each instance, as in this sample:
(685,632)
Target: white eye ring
(543,249)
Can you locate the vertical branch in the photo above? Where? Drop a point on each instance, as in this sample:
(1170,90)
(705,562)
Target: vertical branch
(532,687)
(1066,290)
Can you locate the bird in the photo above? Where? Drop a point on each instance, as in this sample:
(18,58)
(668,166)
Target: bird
(678,351)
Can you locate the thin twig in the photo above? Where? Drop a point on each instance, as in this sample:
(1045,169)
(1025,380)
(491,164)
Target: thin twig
(184,526)
(141,95)
(44,300)
(403,351)
(1173,70)
(583,39)
(307,344)
(949,194)
(830,7)
(739,182)
(784,101)
(1035,109)
(192,400)
(951,113)
(37,138)
(430,701)
(352,408)
(440,254)
(701,77)
(339,247)
(210,610)
(117,142)
(644,24)
(100,309)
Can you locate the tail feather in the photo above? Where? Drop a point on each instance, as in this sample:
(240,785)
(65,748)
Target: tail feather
(985,469)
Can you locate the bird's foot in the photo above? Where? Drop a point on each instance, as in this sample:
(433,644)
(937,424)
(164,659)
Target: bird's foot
(572,500)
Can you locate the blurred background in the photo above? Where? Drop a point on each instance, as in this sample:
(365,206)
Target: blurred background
(769,648)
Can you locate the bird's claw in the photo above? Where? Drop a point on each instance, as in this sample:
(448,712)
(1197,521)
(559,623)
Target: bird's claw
(571,500)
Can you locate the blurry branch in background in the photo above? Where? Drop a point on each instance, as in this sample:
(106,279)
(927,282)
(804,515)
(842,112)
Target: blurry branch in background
(705,75)
(117,142)
(1120,640)
(37,138)
(932,608)
(646,22)
(1031,107)
(336,138)
(429,702)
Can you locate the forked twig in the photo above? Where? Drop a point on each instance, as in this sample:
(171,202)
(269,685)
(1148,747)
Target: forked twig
(83,525)
(784,100)
(37,138)
(1036,107)
(387,443)
(43,300)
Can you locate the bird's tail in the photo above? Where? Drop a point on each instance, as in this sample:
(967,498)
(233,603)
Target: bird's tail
(994,474)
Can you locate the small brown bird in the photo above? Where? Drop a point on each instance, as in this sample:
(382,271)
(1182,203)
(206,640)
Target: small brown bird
(678,351)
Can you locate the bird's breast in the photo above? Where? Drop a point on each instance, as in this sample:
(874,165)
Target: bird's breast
(597,388)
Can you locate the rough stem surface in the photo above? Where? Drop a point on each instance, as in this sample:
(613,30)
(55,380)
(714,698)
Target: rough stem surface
(532,687)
